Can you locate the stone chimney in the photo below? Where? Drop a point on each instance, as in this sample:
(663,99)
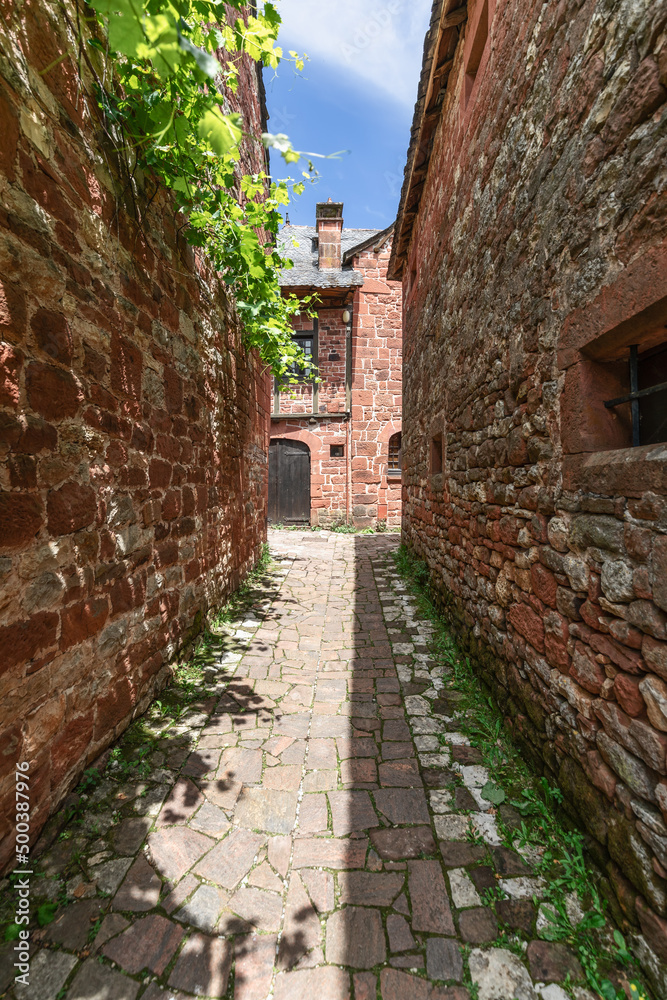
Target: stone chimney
(329,226)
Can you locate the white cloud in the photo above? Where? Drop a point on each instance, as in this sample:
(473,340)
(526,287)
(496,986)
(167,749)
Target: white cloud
(379,42)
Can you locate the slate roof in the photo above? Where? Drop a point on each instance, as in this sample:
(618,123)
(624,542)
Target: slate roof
(306,272)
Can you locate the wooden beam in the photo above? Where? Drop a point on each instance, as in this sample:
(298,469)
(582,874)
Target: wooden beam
(444,67)
(455,17)
(427,113)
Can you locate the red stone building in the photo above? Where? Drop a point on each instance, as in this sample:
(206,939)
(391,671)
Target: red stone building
(335,453)
(530,242)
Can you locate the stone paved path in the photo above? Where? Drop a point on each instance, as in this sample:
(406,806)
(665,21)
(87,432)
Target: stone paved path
(308,836)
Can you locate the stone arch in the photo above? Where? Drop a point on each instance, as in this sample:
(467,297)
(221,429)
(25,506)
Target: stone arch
(393,427)
(301,434)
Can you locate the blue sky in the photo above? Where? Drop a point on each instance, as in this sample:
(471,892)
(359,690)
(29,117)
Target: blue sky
(357,92)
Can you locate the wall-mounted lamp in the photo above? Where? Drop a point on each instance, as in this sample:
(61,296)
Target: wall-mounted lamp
(347,316)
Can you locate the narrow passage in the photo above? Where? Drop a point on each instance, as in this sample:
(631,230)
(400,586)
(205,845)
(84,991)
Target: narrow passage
(309,836)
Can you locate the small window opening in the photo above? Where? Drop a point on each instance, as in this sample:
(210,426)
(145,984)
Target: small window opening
(476,52)
(394,462)
(336,451)
(436,455)
(306,345)
(647,396)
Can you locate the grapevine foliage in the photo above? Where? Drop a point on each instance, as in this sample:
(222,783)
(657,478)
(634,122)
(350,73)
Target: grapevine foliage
(168,65)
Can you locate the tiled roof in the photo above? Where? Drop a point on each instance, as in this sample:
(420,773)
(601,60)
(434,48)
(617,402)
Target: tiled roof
(306,272)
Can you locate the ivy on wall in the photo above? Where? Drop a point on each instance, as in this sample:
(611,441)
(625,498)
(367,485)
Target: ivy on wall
(161,85)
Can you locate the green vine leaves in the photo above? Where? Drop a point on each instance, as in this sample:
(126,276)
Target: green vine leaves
(169,97)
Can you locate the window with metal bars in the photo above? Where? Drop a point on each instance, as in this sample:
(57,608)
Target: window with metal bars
(647,396)
(394,457)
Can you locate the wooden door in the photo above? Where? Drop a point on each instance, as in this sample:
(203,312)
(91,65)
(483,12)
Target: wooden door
(289,482)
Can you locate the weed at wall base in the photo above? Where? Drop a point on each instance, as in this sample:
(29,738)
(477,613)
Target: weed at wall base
(572,909)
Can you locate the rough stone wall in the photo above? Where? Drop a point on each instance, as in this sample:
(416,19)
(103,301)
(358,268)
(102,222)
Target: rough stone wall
(375,401)
(539,231)
(133,429)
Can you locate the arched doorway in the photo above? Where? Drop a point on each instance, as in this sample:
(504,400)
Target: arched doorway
(289,482)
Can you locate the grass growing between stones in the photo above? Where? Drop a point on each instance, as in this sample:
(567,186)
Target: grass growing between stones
(119,780)
(139,751)
(530,816)
(246,593)
(136,755)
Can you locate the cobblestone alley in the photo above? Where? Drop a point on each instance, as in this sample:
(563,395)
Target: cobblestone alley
(307,835)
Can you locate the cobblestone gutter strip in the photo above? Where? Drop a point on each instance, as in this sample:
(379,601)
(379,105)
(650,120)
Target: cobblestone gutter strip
(526,899)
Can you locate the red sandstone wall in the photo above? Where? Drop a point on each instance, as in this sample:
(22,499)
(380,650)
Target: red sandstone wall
(375,400)
(332,354)
(376,389)
(328,476)
(133,433)
(539,229)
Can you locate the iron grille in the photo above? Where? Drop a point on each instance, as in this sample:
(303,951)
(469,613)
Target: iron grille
(650,426)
